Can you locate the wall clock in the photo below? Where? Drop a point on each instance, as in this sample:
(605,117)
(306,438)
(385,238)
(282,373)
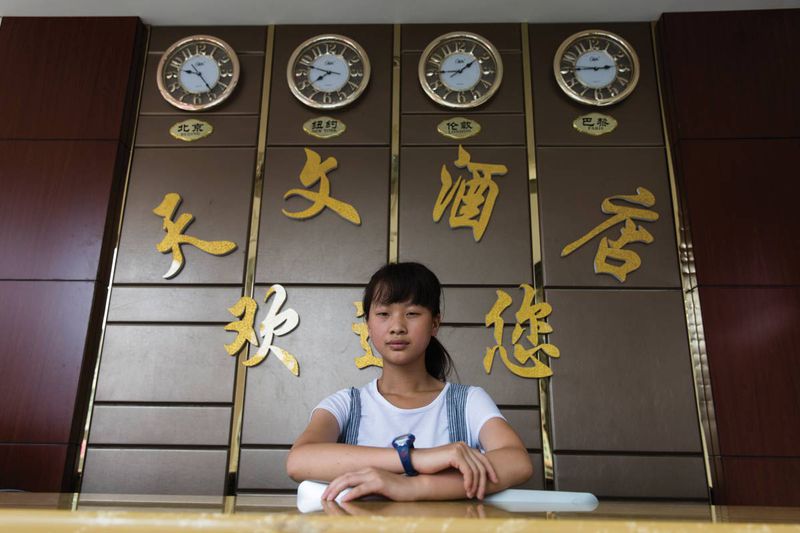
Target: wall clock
(198,72)
(596,67)
(460,70)
(328,71)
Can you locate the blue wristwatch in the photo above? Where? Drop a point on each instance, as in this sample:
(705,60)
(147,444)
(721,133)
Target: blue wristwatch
(404,444)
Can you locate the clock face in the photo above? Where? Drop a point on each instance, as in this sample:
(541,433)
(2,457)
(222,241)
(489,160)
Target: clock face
(596,67)
(460,70)
(328,71)
(198,72)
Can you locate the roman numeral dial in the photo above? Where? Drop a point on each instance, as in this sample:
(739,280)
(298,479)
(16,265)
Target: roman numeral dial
(328,71)
(198,72)
(596,67)
(460,70)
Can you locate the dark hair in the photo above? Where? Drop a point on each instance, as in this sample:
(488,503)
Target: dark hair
(404,282)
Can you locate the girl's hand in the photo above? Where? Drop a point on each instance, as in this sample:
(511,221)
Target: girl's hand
(472,464)
(396,487)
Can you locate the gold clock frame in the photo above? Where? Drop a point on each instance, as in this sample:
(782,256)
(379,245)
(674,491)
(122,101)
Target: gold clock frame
(219,43)
(498,61)
(621,42)
(311,42)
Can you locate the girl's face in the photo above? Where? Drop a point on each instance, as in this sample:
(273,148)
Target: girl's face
(401,331)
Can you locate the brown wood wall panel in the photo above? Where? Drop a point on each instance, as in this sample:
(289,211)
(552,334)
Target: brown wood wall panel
(33,467)
(742,196)
(732,75)
(160,425)
(761,481)
(753,345)
(54,207)
(71,76)
(44,327)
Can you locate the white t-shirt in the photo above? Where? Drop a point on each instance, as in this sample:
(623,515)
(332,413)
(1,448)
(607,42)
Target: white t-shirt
(381,421)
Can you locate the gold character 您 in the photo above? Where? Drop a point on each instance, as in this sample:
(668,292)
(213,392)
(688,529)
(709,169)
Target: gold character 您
(629,233)
(275,323)
(471,200)
(174,238)
(534,315)
(315,170)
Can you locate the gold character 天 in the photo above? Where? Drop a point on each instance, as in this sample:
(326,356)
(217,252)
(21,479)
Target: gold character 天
(471,200)
(629,233)
(315,170)
(174,238)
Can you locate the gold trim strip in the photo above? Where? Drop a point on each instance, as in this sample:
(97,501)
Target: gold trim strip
(234,442)
(704,400)
(394,206)
(87,425)
(545,416)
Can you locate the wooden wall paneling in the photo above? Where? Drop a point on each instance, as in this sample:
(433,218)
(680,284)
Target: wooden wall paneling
(527,424)
(215,187)
(469,305)
(638,115)
(154,471)
(760,481)
(573,183)
(243,39)
(632,476)
(165,363)
(246,99)
(368,119)
(160,425)
(172,304)
(753,341)
(325,248)
(44,327)
(89,62)
(415,37)
(623,381)
(730,101)
(33,467)
(740,197)
(278,404)
(502,256)
(55,205)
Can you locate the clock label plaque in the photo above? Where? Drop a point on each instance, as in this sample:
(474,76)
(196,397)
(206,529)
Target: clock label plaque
(595,124)
(324,127)
(459,128)
(191,130)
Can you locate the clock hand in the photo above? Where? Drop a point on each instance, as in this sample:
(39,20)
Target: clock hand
(459,71)
(201,76)
(324,70)
(606,67)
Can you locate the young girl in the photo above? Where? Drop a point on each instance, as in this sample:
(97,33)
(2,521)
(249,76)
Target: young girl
(410,421)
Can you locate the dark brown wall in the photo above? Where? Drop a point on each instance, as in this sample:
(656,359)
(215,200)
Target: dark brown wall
(63,151)
(735,123)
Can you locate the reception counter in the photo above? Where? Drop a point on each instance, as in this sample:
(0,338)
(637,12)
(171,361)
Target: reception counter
(62,513)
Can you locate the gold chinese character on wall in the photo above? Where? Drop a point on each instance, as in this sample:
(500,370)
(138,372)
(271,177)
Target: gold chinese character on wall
(360,329)
(175,238)
(315,170)
(629,233)
(275,323)
(533,315)
(471,200)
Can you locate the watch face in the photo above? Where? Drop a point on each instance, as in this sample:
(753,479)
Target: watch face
(460,70)
(596,67)
(198,72)
(328,71)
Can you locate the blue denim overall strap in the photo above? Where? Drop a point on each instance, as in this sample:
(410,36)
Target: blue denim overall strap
(457,412)
(456,398)
(350,432)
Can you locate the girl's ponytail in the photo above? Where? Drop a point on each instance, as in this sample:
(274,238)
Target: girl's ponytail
(438,362)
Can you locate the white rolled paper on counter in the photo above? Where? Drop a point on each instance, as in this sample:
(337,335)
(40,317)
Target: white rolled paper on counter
(309,495)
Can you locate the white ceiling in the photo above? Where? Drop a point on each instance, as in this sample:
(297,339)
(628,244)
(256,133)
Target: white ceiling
(239,12)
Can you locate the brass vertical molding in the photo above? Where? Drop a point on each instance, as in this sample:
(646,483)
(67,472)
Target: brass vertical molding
(543,384)
(87,425)
(704,400)
(394,198)
(234,442)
